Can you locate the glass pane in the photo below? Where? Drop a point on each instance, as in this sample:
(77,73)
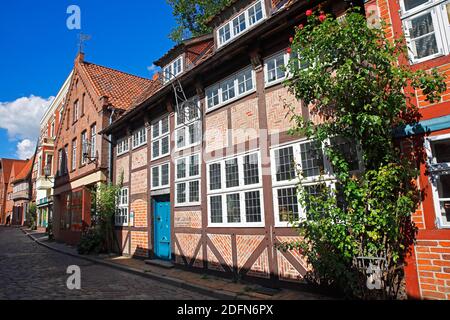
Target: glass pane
(216,209)
(411,4)
(252,206)
(194,166)
(155,129)
(228,90)
(284,161)
(165,175)
(280,67)
(233,208)
(181,169)
(421,26)
(165,145)
(312,159)
(194,191)
(180,138)
(444,186)
(155,149)
(165,125)
(251,169)
(232,173)
(288,204)
(155,177)
(215,177)
(441,151)
(181,193)
(425,46)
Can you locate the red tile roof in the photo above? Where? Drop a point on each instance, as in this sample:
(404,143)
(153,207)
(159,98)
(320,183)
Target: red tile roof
(121,88)
(26,170)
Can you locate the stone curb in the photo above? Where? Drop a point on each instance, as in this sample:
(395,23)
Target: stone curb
(168,280)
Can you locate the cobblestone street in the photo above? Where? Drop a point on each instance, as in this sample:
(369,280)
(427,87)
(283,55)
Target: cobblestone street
(30,271)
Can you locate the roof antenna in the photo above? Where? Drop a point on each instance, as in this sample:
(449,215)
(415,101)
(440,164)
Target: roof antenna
(82,38)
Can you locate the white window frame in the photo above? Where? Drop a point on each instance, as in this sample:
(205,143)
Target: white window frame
(160,137)
(187,179)
(218,86)
(167,77)
(248,26)
(180,127)
(309,181)
(123,146)
(141,135)
(445,169)
(93,141)
(123,206)
(241,189)
(160,185)
(74,154)
(83,147)
(441,26)
(243,215)
(286,58)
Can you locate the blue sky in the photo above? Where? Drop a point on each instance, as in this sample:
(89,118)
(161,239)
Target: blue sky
(38,50)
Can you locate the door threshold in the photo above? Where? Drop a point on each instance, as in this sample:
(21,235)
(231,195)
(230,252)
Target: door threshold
(160,263)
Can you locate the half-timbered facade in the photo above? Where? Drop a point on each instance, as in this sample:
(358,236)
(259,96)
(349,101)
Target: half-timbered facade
(211,189)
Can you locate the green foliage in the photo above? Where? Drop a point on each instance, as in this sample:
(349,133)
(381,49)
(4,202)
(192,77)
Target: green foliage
(32,216)
(91,242)
(191,16)
(100,237)
(355,85)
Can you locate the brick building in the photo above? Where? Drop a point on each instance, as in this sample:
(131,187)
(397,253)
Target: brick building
(218,204)
(9,168)
(95,96)
(43,174)
(425,25)
(22,194)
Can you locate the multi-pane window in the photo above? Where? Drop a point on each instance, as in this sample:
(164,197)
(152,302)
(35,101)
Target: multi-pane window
(75,110)
(243,21)
(139,137)
(60,162)
(160,138)
(123,146)
(93,145)
(231,88)
(188,125)
(187,180)
(274,67)
(234,194)
(65,159)
(306,158)
(439,154)
(173,69)
(426,27)
(84,141)
(74,154)
(160,176)
(122,216)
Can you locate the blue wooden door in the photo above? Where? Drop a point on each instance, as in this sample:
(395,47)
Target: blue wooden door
(161,214)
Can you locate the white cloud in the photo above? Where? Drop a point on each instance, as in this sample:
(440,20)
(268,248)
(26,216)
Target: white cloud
(21,119)
(26,149)
(153,69)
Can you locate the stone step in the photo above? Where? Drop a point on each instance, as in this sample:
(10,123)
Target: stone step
(160,263)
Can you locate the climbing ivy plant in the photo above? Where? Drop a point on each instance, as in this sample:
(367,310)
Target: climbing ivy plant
(350,77)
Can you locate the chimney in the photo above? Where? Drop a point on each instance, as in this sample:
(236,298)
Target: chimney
(155,76)
(79,58)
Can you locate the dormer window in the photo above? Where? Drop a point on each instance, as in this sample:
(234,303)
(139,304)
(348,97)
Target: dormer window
(173,69)
(240,23)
